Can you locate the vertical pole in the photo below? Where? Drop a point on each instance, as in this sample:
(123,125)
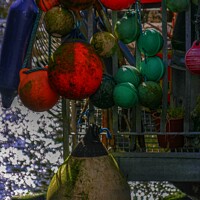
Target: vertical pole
(90,34)
(73,123)
(187,73)
(165,61)
(137,110)
(137,119)
(66,126)
(114,69)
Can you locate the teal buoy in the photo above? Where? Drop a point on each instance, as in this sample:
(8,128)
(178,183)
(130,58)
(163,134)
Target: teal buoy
(152,68)
(103,97)
(177,6)
(128,73)
(150,42)
(127,29)
(150,94)
(125,95)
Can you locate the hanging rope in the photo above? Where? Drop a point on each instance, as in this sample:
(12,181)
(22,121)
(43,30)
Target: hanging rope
(32,40)
(49,49)
(138,11)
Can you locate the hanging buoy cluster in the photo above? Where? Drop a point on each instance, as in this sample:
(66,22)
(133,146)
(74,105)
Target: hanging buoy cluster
(152,68)
(75,70)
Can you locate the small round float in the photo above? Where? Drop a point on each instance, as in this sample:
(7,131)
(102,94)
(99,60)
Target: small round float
(125,95)
(34,90)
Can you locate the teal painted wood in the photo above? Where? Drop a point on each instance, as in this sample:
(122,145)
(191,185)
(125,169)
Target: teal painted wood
(177,167)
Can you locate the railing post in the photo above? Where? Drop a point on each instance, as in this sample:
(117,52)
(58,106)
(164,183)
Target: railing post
(66,126)
(187,73)
(165,61)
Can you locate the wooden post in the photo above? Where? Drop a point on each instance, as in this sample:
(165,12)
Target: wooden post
(73,123)
(66,126)
(115,68)
(165,61)
(187,73)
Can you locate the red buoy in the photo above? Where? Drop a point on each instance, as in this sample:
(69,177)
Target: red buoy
(192,56)
(75,71)
(46,5)
(117,5)
(76,5)
(34,90)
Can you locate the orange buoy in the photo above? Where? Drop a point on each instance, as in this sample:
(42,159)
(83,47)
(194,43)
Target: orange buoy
(34,90)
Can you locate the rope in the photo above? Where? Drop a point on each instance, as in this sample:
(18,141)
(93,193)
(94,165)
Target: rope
(49,49)
(32,39)
(108,134)
(138,11)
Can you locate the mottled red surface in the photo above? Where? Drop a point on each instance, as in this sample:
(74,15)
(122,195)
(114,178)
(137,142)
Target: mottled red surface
(35,92)
(75,71)
(46,5)
(76,5)
(192,60)
(117,5)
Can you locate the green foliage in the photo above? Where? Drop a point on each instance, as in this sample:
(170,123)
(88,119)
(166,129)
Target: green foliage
(176,196)
(195,115)
(175,112)
(38,196)
(3,12)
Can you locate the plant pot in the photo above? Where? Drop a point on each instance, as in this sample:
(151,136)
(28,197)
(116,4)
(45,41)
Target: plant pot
(172,125)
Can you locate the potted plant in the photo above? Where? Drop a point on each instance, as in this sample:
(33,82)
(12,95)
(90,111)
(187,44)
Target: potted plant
(195,115)
(175,119)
